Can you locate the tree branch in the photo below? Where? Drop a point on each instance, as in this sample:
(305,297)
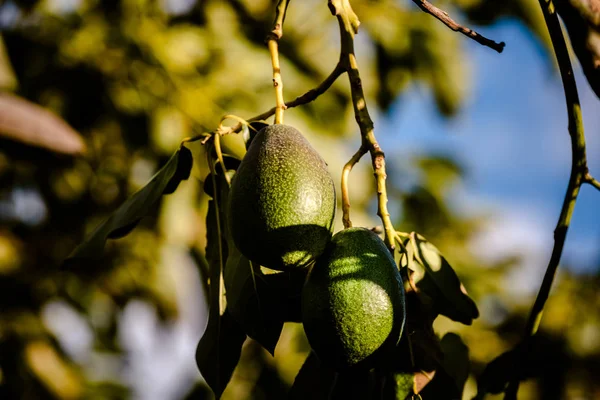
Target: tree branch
(307,97)
(273,45)
(592,181)
(578,173)
(348,22)
(456,27)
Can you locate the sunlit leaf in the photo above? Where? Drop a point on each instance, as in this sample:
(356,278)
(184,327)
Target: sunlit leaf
(314,381)
(440,283)
(128,215)
(31,124)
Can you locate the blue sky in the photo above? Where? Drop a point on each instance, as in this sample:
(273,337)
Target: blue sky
(512,137)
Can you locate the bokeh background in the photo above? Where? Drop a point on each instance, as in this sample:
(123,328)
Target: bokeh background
(478,161)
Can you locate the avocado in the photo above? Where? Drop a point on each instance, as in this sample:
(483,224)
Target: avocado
(353,305)
(282,201)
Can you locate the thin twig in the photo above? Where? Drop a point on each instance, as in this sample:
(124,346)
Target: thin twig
(579,171)
(345,195)
(273,44)
(348,22)
(301,100)
(592,181)
(307,97)
(456,27)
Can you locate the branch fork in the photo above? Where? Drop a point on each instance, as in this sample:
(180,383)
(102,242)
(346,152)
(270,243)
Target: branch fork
(349,23)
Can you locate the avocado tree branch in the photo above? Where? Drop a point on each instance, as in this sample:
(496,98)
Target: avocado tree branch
(456,27)
(579,172)
(307,97)
(301,100)
(348,22)
(273,45)
(592,181)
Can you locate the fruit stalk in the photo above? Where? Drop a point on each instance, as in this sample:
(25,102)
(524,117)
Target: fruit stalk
(273,45)
(362,150)
(579,172)
(348,22)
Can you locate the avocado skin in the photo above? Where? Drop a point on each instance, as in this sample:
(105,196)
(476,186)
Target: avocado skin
(282,201)
(353,305)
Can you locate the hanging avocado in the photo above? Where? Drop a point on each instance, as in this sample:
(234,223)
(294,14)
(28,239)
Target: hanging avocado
(282,200)
(353,301)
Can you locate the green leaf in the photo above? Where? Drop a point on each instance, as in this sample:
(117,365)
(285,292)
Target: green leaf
(498,373)
(251,300)
(353,384)
(128,215)
(439,282)
(449,380)
(314,381)
(219,350)
(231,163)
(250,132)
(456,359)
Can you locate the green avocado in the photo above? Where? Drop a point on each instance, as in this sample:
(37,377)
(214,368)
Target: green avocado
(282,201)
(353,305)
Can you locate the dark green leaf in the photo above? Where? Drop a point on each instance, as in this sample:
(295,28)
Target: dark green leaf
(288,286)
(497,374)
(456,359)
(127,216)
(439,282)
(250,132)
(353,384)
(314,381)
(231,164)
(449,379)
(251,300)
(219,350)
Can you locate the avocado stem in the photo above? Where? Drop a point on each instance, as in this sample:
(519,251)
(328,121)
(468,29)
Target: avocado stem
(345,195)
(273,45)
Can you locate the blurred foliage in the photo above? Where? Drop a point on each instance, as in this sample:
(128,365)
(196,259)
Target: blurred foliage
(134,78)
